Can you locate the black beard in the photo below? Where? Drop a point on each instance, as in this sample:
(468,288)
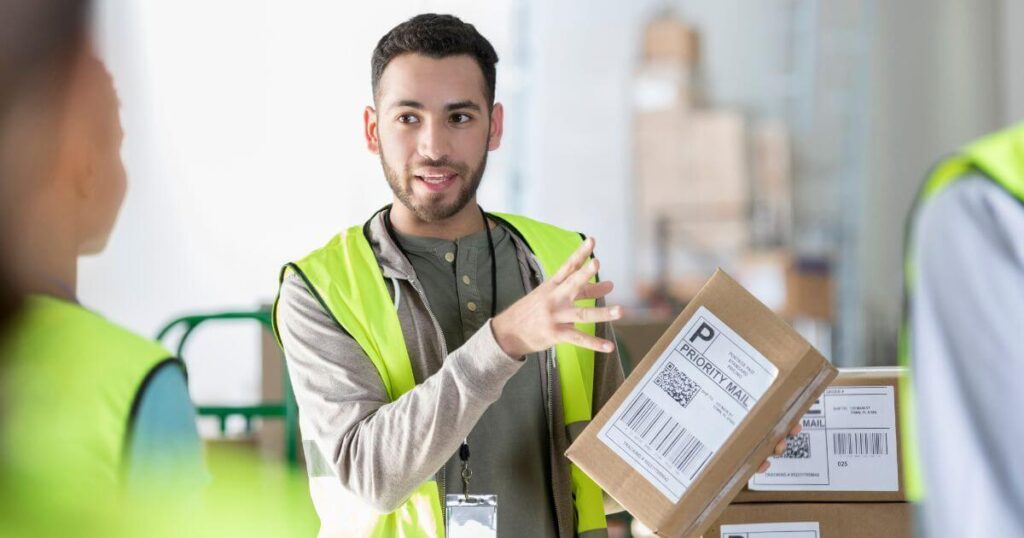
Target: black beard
(434,212)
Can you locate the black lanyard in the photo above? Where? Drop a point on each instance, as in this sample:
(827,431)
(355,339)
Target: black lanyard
(467,473)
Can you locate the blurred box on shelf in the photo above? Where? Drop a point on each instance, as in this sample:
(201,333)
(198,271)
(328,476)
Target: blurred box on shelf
(809,288)
(772,182)
(671,39)
(691,164)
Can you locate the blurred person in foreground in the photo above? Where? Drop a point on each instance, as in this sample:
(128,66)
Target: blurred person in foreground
(92,409)
(97,433)
(963,338)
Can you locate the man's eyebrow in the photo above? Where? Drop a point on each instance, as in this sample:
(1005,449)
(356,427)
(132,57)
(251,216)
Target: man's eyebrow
(458,105)
(409,103)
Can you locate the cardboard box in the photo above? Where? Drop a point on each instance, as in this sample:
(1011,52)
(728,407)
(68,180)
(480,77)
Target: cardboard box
(773,183)
(702,410)
(850,449)
(809,289)
(831,520)
(670,39)
(692,164)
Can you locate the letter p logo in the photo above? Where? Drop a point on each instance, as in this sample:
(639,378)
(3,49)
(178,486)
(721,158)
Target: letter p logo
(705,332)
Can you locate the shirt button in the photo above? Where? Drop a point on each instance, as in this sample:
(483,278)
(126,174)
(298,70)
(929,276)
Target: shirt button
(471,306)
(466,280)
(449,257)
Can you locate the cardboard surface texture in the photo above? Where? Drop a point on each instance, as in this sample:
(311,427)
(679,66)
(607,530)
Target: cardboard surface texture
(835,520)
(870,472)
(749,376)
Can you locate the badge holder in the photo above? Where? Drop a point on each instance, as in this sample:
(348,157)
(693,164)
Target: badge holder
(470,516)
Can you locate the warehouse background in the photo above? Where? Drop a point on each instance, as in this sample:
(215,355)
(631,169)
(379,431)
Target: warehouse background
(244,149)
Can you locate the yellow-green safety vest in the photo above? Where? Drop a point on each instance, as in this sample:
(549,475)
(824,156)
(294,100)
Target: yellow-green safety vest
(999,157)
(72,380)
(345,277)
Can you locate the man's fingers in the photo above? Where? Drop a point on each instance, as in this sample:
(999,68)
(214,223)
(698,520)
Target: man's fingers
(764,467)
(796,430)
(781,447)
(575,261)
(578,280)
(582,314)
(581,339)
(596,290)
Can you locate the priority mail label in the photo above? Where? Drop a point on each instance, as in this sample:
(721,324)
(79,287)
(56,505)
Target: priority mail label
(773,530)
(688,404)
(848,443)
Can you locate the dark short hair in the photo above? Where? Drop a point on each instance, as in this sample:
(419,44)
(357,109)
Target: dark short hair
(435,36)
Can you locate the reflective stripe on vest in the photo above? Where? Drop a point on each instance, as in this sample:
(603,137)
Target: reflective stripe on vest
(345,277)
(1000,157)
(78,374)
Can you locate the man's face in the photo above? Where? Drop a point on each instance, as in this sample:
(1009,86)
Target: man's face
(432,130)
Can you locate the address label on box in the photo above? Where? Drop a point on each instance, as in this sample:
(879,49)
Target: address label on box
(848,443)
(688,404)
(808,529)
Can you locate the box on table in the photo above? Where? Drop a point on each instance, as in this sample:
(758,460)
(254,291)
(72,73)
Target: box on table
(703,409)
(849,448)
(814,520)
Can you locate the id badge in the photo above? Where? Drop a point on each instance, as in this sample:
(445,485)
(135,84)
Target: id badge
(472,516)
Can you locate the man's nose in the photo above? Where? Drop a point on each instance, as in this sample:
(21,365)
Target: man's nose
(433,141)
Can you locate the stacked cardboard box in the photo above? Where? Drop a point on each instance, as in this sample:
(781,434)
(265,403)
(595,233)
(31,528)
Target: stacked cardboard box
(701,411)
(773,183)
(840,477)
(814,520)
(705,178)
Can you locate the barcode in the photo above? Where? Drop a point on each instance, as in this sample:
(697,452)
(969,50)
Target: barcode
(676,384)
(860,444)
(798,447)
(664,435)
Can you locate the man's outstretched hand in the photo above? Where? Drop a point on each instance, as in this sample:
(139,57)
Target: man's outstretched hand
(545,316)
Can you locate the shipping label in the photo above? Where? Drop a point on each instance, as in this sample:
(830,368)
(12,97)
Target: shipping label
(688,404)
(772,530)
(848,443)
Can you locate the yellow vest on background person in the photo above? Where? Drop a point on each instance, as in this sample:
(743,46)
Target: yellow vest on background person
(71,380)
(346,278)
(72,383)
(999,157)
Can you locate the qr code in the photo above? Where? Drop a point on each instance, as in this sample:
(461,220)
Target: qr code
(676,384)
(798,447)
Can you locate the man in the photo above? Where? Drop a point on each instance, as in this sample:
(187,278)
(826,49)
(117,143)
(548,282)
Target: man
(410,384)
(964,340)
(91,410)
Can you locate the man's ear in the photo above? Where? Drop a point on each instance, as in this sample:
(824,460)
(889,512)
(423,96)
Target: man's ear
(497,126)
(370,130)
